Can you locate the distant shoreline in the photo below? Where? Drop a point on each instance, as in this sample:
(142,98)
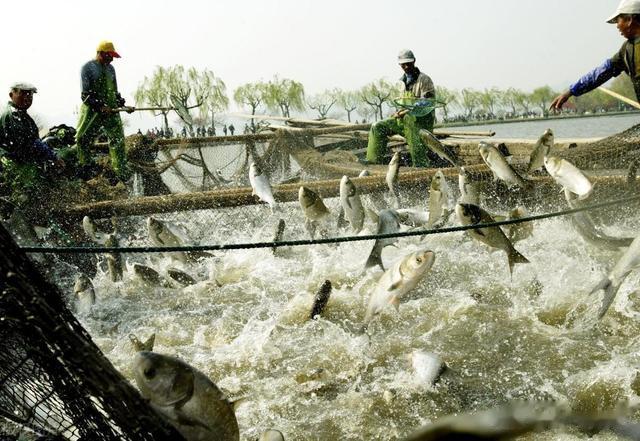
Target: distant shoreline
(524,120)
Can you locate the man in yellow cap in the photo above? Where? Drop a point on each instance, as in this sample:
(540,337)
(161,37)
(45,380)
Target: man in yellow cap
(100,99)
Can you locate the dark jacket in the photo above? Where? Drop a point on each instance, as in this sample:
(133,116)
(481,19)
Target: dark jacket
(99,86)
(627,59)
(19,137)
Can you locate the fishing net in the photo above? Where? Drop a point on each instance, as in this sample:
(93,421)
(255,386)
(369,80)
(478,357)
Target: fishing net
(53,378)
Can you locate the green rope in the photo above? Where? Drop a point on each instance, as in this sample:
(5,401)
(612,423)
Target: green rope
(306,242)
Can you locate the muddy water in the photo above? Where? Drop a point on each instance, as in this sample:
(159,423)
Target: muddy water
(245,324)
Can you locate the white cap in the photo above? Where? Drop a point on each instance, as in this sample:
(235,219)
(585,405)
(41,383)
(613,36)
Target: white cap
(21,85)
(406,56)
(625,7)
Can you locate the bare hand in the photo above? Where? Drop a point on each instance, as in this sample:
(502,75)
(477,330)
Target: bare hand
(400,113)
(558,102)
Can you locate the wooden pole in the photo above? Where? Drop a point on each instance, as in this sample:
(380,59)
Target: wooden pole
(624,99)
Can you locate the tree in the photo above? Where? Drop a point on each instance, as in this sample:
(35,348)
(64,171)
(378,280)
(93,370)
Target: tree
(323,102)
(623,85)
(252,95)
(512,99)
(216,99)
(155,92)
(348,101)
(284,95)
(376,94)
(489,99)
(469,100)
(542,97)
(188,90)
(448,98)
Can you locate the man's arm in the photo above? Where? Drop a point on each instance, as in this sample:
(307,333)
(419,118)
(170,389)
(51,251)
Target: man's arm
(88,77)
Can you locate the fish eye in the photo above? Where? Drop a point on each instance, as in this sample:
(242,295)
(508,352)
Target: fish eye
(150,372)
(419,259)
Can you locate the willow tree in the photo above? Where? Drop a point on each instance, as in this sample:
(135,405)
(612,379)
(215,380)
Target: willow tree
(284,95)
(447,98)
(469,100)
(155,92)
(323,102)
(542,97)
(348,101)
(490,99)
(216,99)
(188,90)
(512,99)
(377,94)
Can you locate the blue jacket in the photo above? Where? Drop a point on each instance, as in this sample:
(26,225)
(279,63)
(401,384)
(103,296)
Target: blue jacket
(627,59)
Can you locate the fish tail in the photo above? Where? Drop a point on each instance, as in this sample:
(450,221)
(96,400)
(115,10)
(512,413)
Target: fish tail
(514,257)
(610,291)
(374,258)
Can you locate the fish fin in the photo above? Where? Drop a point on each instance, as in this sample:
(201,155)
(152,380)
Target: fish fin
(514,257)
(374,258)
(148,345)
(610,292)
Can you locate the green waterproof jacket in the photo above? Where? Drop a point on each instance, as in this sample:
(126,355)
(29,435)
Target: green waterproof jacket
(99,86)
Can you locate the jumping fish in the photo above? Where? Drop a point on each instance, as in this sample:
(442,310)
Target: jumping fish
(427,367)
(114,260)
(398,280)
(568,176)
(520,231)
(413,218)
(392,178)
(351,204)
(321,299)
(271,435)
(469,190)
(160,235)
(438,148)
(629,261)
(189,400)
(315,211)
(540,151)
(388,223)
(85,294)
(469,214)
(91,230)
(260,185)
(181,277)
(278,234)
(148,275)
(438,198)
(499,166)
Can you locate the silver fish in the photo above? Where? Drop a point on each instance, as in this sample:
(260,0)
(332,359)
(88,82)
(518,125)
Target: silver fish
(469,189)
(351,204)
(314,209)
(392,178)
(521,231)
(189,400)
(321,299)
(568,176)
(91,230)
(278,234)
(146,345)
(542,148)
(438,148)
(629,261)
(181,277)
(388,223)
(398,280)
(148,275)
(413,218)
(161,236)
(469,214)
(114,260)
(85,294)
(271,435)
(586,227)
(438,198)
(427,367)
(260,185)
(499,165)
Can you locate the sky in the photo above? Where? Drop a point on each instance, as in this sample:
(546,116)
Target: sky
(322,44)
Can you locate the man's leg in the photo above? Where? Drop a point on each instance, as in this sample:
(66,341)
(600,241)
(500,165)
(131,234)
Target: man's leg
(87,131)
(417,147)
(378,137)
(115,133)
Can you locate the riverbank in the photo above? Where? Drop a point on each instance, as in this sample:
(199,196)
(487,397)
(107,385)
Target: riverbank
(524,120)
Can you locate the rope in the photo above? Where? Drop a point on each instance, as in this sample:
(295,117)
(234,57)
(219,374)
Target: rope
(306,242)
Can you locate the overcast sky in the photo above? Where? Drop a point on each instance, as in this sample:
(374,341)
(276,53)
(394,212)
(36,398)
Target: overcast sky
(323,44)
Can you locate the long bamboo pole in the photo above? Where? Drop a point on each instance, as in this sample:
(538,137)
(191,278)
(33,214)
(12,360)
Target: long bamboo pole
(624,99)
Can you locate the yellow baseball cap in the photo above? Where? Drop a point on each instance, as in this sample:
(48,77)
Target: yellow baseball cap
(107,46)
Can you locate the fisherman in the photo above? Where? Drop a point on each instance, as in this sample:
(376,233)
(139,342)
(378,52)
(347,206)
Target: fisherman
(627,59)
(100,99)
(231,129)
(25,160)
(419,114)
